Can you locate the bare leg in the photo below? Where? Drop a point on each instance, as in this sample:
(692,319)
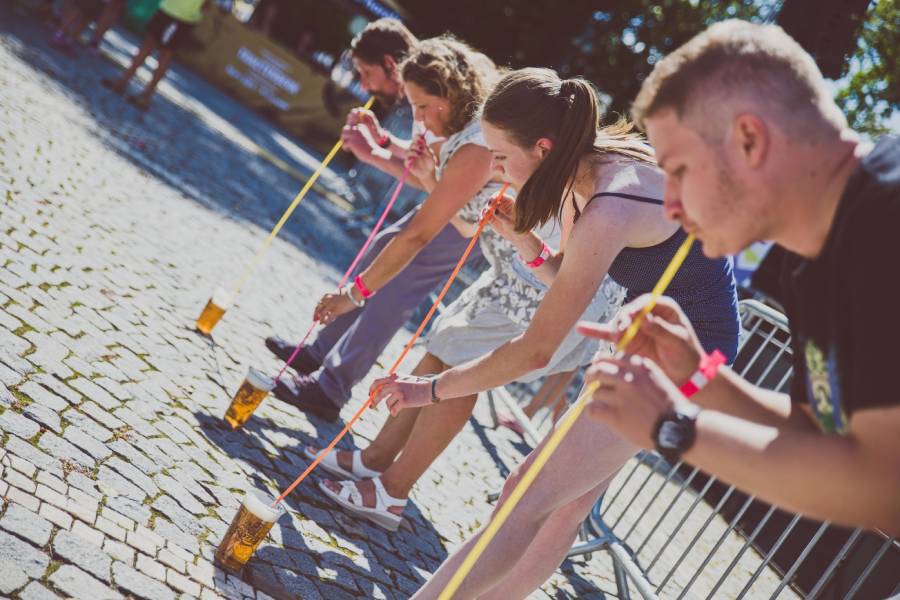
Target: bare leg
(386,446)
(165,61)
(432,431)
(588,456)
(548,549)
(435,428)
(106,20)
(147,46)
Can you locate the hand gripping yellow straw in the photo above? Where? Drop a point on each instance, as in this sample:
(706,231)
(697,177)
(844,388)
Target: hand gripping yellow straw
(556,438)
(221,300)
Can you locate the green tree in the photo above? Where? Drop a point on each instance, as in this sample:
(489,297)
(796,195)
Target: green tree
(871,93)
(616,43)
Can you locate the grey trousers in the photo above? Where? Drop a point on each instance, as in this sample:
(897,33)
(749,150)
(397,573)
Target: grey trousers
(348,347)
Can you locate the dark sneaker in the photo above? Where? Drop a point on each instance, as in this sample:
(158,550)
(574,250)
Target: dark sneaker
(304,393)
(303,363)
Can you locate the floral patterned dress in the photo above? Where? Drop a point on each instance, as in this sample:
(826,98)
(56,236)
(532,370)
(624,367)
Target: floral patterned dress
(500,304)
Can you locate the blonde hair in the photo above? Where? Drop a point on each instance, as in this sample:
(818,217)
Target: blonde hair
(451,69)
(731,62)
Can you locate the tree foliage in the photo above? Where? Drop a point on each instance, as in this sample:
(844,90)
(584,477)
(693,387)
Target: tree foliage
(872,91)
(615,43)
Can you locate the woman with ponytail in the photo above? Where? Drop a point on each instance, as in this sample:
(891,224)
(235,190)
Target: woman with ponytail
(602,185)
(492,312)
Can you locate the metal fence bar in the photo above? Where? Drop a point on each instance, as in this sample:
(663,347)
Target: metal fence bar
(749,542)
(721,541)
(790,574)
(697,499)
(636,494)
(672,472)
(865,574)
(829,572)
(700,533)
(669,508)
(612,501)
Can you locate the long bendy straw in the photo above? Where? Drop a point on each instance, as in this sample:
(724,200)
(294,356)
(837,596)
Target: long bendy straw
(486,217)
(387,209)
(248,271)
(557,437)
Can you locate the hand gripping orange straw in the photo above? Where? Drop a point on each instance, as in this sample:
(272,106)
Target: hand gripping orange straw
(248,271)
(486,217)
(556,438)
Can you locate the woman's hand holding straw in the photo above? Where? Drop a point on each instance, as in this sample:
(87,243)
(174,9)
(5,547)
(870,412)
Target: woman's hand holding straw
(387,209)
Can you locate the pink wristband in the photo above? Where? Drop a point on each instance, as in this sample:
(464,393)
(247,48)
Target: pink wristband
(358,282)
(709,366)
(541,258)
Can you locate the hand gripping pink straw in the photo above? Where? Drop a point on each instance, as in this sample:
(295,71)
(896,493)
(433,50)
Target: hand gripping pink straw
(387,209)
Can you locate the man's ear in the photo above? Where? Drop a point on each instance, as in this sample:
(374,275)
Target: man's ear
(389,63)
(751,138)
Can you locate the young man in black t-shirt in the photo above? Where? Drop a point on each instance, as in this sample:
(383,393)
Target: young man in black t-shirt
(754,148)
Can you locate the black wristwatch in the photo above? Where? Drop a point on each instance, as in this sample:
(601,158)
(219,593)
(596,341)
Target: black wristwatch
(674,433)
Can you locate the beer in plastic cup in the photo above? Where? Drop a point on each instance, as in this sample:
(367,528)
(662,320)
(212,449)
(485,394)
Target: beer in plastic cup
(249,526)
(253,390)
(213,311)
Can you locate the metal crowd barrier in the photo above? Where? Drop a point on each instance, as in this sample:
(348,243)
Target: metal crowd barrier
(674,532)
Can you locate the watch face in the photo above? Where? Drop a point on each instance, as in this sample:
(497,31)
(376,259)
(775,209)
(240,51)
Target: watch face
(671,435)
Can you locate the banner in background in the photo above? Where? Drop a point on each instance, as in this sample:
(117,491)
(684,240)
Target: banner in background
(266,77)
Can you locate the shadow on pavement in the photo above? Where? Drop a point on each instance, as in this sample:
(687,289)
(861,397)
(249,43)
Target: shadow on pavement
(171,143)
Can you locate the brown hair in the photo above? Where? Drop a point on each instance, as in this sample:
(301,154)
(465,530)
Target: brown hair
(451,69)
(731,60)
(530,104)
(382,37)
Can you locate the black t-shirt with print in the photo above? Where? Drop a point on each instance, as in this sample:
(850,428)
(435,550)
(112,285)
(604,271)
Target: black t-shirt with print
(844,306)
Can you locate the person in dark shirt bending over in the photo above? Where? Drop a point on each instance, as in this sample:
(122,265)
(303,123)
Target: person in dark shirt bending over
(754,148)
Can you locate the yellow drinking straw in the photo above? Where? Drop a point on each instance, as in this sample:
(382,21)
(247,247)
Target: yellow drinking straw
(556,438)
(290,209)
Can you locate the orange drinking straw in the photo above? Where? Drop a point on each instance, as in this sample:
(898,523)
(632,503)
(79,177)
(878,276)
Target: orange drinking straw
(557,436)
(485,219)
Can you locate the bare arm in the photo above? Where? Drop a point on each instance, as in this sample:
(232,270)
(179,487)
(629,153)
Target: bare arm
(467,172)
(852,479)
(782,458)
(591,248)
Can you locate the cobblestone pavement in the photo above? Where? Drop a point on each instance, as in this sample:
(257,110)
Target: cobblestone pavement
(118,476)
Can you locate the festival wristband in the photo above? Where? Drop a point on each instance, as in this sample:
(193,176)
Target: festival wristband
(541,258)
(709,366)
(356,303)
(358,282)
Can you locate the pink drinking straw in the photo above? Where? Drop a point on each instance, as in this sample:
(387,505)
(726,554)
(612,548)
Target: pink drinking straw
(359,255)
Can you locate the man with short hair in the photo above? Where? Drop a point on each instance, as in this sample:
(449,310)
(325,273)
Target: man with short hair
(346,349)
(754,148)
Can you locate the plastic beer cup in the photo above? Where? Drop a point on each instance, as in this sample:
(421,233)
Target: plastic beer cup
(255,387)
(249,526)
(213,311)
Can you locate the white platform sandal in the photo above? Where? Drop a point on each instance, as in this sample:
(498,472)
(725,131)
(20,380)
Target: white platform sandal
(351,499)
(330,464)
